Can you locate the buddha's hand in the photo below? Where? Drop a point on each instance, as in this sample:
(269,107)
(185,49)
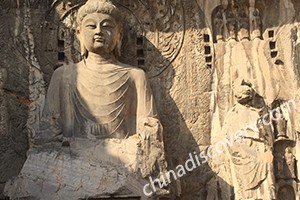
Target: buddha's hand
(150,127)
(151,156)
(47,132)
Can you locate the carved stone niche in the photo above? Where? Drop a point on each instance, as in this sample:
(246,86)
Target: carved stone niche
(218,21)
(238,20)
(284,160)
(285,165)
(285,169)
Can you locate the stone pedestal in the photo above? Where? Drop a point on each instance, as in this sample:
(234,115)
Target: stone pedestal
(84,169)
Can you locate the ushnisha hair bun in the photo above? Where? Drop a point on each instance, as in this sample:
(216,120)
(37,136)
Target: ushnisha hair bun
(98,6)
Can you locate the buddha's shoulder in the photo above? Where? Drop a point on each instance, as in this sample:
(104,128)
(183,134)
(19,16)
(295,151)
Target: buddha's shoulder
(65,69)
(135,72)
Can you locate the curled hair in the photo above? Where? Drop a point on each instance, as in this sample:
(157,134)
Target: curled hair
(98,6)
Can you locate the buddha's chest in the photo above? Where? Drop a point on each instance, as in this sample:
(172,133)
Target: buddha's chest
(104,93)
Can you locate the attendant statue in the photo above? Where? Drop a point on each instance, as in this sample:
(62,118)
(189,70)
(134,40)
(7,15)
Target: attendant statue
(98,97)
(251,151)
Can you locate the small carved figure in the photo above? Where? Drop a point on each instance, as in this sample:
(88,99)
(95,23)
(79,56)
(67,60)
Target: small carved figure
(243,32)
(279,169)
(231,25)
(98,97)
(290,161)
(281,124)
(256,25)
(251,152)
(219,26)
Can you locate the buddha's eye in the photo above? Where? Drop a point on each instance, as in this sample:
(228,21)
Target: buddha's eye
(108,25)
(91,26)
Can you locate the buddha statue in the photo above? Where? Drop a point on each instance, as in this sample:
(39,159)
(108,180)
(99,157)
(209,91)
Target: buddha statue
(99,129)
(98,97)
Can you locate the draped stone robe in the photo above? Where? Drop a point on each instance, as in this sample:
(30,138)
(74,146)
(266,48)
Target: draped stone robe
(252,175)
(104,102)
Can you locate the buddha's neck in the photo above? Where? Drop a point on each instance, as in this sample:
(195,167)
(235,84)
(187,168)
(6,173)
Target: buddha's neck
(96,59)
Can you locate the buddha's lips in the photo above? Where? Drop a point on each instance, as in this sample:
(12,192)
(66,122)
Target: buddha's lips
(98,39)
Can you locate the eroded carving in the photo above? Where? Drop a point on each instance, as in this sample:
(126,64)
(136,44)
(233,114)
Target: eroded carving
(219,25)
(251,153)
(290,160)
(243,19)
(231,24)
(255,24)
(236,21)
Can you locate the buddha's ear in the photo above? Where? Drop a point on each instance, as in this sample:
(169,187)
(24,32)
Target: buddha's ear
(77,30)
(119,44)
(121,35)
(118,47)
(83,50)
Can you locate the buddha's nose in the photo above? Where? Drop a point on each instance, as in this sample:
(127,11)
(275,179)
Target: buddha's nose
(98,30)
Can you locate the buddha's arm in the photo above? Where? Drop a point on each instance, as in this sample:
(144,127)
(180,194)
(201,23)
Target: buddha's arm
(147,119)
(52,106)
(145,100)
(50,125)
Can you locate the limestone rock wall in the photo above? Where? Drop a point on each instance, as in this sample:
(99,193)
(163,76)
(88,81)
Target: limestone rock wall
(190,64)
(257,40)
(14,100)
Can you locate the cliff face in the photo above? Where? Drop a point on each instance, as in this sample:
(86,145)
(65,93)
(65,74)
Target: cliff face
(14,91)
(192,51)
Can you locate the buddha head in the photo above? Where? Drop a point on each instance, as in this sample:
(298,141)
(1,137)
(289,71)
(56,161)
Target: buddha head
(99,27)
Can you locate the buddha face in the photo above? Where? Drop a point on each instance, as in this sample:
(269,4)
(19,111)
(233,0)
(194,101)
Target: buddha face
(99,33)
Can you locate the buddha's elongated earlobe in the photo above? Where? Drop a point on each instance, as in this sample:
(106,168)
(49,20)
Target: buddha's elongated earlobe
(83,50)
(118,47)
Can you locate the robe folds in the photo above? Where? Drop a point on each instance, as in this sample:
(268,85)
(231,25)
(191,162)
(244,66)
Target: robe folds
(103,102)
(249,154)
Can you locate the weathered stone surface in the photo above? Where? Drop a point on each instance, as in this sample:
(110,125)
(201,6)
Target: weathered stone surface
(251,156)
(192,51)
(265,57)
(85,169)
